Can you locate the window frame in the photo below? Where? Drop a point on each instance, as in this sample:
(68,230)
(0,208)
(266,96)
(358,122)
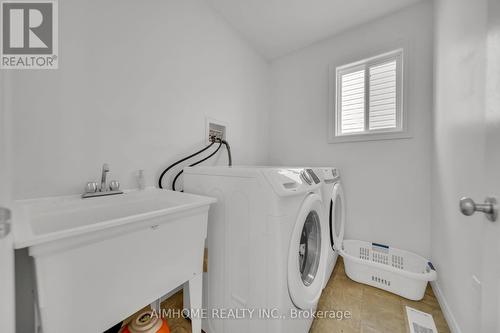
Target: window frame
(336,72)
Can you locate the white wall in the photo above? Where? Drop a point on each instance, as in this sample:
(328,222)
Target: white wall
(458,161)
(387,183)
(135,82)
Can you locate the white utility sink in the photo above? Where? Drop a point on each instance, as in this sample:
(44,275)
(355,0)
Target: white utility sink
(48,219)
(98,260)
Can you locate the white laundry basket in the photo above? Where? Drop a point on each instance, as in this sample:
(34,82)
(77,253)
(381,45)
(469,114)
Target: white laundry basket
(398,271)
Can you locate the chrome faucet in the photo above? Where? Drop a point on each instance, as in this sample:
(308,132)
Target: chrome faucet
(92,189)
(105,170)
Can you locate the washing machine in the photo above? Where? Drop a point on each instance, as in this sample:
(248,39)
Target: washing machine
(265,241)
(333,198)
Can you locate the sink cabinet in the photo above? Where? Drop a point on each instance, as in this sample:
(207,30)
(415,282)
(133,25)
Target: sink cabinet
(90,281)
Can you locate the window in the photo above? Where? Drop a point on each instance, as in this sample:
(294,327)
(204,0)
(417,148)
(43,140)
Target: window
(368,99)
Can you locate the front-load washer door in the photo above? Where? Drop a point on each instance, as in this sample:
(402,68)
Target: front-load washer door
(306,260)
(337,217)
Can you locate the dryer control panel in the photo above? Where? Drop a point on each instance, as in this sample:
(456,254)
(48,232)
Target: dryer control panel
(330,175)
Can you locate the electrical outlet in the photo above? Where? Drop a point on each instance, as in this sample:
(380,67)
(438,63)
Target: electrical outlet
(215,130)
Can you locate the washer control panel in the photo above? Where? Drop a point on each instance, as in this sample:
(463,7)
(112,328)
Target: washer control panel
(305,176)
(313,175)
(292,181)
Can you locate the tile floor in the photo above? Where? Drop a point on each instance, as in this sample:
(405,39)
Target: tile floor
(373,310)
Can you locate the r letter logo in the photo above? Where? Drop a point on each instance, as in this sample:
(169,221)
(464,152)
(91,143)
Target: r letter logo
(29,35)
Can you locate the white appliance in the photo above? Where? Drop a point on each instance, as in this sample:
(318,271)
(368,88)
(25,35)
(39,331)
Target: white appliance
(265,247)
(333,198)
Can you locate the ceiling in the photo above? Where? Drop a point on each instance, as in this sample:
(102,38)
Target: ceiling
(278,27)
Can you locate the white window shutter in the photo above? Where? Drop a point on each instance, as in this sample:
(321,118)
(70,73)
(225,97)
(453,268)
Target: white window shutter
(352,102)
(383,96)
(369,99)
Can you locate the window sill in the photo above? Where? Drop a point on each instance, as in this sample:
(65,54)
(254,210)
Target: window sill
(370,137)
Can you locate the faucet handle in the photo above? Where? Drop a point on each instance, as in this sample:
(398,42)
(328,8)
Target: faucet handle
(91,187)
(114,185)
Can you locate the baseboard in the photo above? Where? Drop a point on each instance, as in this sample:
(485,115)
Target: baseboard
(448,315)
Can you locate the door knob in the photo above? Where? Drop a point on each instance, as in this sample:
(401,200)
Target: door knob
(489,207)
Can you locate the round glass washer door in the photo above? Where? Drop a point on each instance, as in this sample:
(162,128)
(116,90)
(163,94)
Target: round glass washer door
(310,248)
(337,217)
(306,257)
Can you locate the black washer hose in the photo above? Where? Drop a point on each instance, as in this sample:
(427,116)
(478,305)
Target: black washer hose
(180,161)
(229,157)
(196,163)
(221,142)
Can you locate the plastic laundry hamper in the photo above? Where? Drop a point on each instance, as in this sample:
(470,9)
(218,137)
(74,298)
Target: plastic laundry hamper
(398,271)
